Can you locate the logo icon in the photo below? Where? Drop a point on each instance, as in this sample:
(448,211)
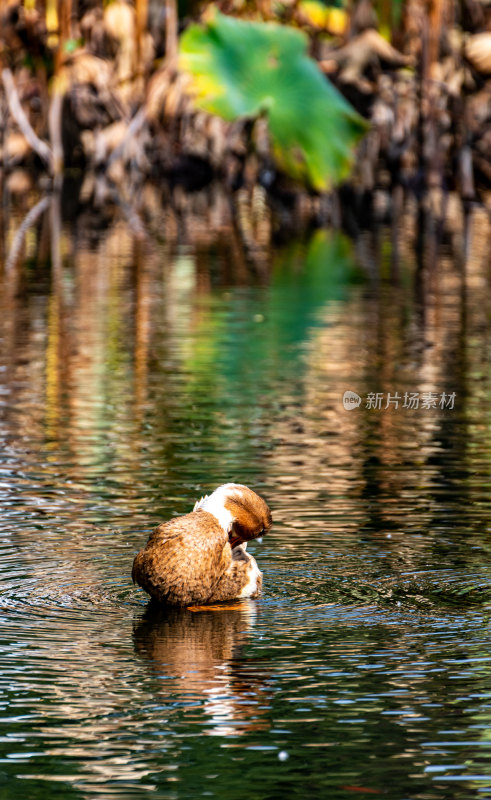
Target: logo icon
(351,400)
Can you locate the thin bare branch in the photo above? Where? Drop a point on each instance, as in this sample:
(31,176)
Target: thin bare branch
(28,220)
(55,129)
(41,148)
(132,131)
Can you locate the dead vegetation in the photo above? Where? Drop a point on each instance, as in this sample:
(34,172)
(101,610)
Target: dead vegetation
(95,87)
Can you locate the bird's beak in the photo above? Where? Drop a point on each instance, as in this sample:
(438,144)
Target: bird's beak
(234,541)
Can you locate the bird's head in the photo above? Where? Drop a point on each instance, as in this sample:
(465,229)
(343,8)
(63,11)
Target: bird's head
(242,513)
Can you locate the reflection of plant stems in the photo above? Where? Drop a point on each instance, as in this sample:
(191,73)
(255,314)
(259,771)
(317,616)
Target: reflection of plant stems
(18,113)
(55,225)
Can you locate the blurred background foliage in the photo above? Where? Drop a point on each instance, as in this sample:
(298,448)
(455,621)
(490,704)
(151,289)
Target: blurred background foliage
(294,96)
(313,129)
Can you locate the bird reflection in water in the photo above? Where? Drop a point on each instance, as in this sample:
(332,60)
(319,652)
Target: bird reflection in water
(202,652)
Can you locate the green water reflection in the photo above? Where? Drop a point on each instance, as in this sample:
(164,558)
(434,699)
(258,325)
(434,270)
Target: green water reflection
(136,374)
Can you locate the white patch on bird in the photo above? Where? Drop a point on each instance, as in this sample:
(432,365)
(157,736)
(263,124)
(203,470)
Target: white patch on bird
(251,586)
(215,504)
(199,502)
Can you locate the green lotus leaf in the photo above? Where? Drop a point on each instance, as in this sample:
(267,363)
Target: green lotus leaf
(244,69)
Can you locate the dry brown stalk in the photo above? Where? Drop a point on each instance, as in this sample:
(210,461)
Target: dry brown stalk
(38,145)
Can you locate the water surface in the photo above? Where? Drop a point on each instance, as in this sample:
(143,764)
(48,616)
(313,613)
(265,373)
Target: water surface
(138,372)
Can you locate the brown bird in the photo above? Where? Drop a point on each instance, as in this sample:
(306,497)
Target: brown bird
(201,557)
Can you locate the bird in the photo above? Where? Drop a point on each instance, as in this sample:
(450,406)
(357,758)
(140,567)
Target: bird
(201,557)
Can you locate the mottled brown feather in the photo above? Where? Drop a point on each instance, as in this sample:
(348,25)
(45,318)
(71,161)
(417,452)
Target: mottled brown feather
(183,559)
(190,559)
(235,578)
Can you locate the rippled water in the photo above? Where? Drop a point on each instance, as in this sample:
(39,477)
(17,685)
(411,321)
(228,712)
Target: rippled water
(137,373)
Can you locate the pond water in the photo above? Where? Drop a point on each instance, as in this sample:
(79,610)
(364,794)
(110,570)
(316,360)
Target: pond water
(138,372)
